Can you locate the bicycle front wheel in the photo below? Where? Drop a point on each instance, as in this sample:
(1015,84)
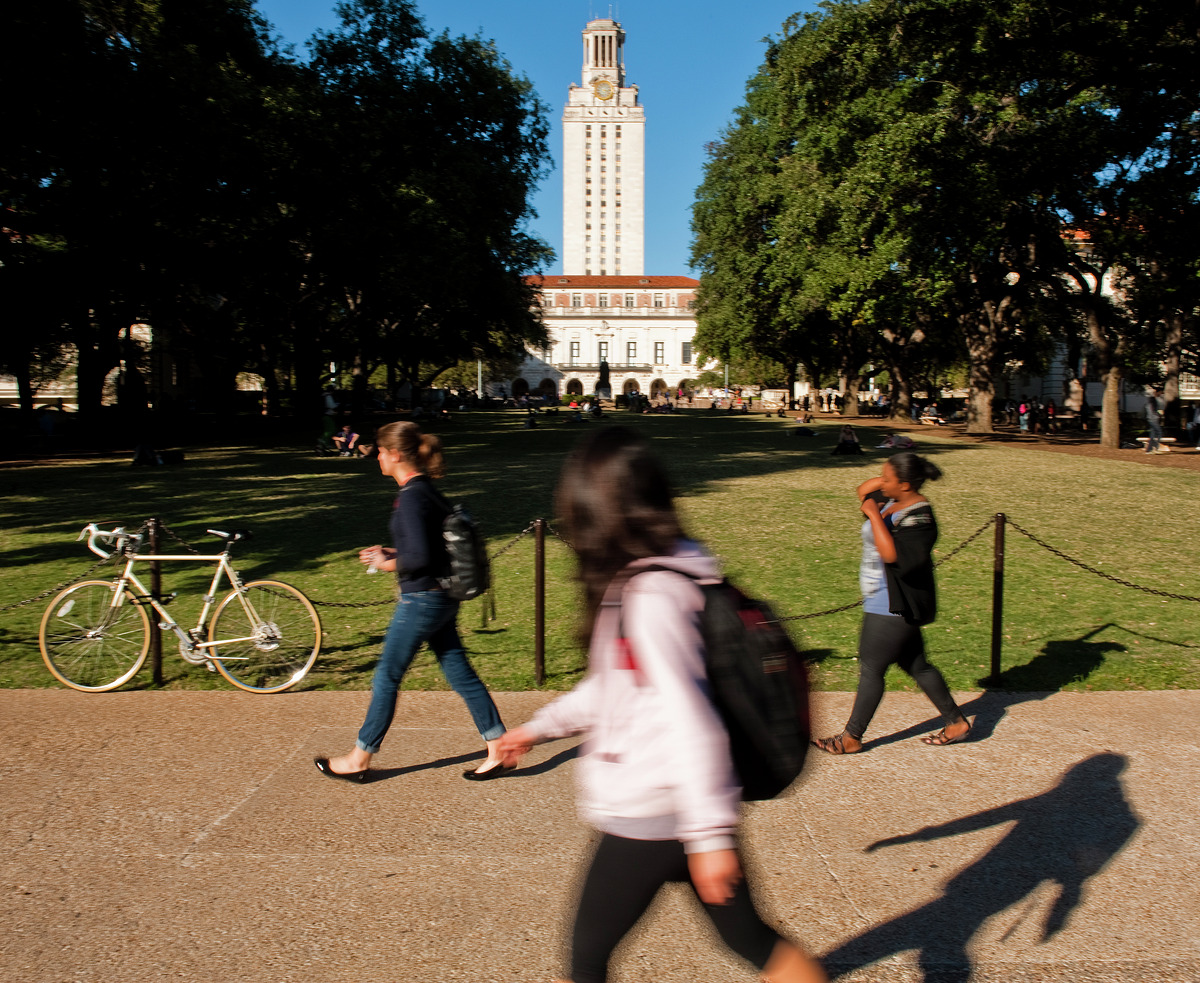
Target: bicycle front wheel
(265,637)
(88,644)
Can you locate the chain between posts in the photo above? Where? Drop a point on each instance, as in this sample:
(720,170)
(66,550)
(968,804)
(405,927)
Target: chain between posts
(847,607)
(55,589)
(375,604)
(1099,573)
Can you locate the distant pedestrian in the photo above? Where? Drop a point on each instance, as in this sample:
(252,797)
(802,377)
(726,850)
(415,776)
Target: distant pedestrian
(896,579)
(1153,424)
(1193,426)
(655,774)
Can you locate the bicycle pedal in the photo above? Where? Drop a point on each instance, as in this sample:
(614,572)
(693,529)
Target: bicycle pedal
(209,666)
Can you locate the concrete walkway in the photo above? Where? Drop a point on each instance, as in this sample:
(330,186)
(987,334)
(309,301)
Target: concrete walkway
(187,836)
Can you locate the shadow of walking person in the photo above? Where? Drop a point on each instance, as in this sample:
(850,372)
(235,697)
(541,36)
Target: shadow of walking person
(1060,663)
(1063,836)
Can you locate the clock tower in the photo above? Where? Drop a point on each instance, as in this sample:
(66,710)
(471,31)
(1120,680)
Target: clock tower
(604,157)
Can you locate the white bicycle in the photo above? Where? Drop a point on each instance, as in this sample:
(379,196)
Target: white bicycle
(95,635)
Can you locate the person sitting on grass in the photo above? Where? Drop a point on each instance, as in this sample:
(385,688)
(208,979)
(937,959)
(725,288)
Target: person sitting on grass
(345,440)
(848,442)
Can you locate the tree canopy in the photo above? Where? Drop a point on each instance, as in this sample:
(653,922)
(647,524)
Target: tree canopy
(908,184)
(170,163)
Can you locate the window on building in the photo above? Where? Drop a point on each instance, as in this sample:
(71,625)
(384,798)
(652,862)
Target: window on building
(629,300)
(604,300)
(686,355)
(548,301)
(660,352)
(630,352)
(574,352)
(602,348)
(658,300)
(576,300)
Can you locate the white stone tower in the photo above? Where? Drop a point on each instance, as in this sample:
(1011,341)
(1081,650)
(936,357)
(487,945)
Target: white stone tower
(604,162)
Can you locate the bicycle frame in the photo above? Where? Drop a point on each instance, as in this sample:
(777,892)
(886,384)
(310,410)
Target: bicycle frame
(167,623)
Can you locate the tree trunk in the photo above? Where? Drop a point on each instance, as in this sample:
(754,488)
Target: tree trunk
(359,376)
(1110,408)
(24,391)
(848,384)
(981,347)
(1174,345)
(92,366)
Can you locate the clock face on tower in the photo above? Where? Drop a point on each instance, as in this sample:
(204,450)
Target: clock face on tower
(603,89)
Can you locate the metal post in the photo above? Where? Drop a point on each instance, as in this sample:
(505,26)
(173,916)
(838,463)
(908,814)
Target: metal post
(156,593)
(539,601)
(997,601)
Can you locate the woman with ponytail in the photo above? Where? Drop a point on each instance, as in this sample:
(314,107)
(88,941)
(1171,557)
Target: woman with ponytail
(425,612)
(896,578)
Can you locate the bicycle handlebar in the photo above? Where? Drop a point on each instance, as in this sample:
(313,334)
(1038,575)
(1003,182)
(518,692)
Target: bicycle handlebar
(92,532)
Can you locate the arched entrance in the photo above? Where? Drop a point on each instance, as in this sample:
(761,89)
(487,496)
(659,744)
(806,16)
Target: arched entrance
(631,386)
(520,388)
(658,387)
(574,388)
(548,387)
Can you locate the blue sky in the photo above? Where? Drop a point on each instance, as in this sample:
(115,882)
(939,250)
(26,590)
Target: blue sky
(691,62)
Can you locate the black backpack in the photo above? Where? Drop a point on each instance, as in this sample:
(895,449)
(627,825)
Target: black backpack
(470,569)
(759,686)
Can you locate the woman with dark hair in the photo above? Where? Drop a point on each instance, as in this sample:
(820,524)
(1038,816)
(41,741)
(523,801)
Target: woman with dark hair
(425,612)
(655,774)
(896,579)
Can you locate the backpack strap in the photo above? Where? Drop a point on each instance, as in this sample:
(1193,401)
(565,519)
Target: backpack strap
(626,659)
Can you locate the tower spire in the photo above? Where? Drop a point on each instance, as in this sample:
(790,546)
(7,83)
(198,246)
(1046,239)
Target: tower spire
(603,161)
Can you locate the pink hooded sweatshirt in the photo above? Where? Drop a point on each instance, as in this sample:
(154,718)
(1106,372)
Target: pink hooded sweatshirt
(655,764)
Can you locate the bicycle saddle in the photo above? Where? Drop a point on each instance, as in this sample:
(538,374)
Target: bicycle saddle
(233,536)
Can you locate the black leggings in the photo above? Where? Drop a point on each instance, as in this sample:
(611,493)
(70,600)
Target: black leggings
(623,879)
(883,641)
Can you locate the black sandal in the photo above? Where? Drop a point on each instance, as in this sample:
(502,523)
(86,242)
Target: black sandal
(941,740)
(836,744)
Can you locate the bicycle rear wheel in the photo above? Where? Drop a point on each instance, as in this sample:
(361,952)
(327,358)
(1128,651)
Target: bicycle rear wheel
(88,644)
(266,637)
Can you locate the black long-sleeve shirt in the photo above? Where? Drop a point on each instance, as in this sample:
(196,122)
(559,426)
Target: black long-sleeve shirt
(416,527)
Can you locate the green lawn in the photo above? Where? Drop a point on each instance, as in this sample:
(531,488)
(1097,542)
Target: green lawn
(777,509)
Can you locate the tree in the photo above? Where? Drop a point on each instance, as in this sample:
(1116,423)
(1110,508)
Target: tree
(928,150)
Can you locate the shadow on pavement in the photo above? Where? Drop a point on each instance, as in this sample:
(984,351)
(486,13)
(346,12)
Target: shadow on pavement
(1063,836)
(1059,664)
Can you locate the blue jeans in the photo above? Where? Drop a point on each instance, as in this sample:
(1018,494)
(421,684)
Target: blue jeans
(425,616)
(1155,436)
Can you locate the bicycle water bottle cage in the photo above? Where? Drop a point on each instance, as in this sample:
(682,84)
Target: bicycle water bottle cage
(231,537)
